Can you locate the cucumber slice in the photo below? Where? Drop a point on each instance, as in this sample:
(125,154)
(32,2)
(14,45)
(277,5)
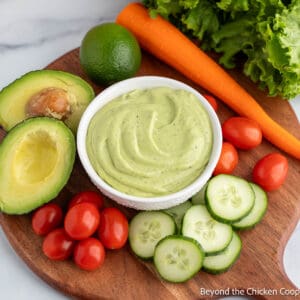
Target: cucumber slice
(258,211)
(213,236)
(199,198)
(178,258)
(229,198)
(178,211)
(146,229)
(223,262)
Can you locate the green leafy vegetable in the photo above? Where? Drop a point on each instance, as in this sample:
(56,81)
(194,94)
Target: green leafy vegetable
(265,33)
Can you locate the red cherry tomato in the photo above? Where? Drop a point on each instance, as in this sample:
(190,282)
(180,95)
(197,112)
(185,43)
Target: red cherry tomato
(242,132)
(270,171)
(87,196)
(57,245)
(212,101)
(228,159)
(89,254)
(46,218)
(82,220)
(113,229)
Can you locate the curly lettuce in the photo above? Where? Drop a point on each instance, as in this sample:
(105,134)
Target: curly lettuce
(264,33)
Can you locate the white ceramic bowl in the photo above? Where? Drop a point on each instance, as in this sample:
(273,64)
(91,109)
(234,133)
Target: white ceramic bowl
(141,203)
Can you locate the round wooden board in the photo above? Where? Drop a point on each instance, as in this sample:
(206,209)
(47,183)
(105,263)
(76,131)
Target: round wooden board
(123,276)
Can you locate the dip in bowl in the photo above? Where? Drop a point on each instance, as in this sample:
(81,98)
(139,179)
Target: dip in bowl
(149,142)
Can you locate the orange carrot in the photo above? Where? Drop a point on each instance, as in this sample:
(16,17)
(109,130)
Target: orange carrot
(166,42)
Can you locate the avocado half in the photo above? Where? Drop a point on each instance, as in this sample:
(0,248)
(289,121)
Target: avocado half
(36,161)
(24,97)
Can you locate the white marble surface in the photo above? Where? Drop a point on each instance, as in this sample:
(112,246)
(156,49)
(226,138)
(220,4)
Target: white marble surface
(32,34)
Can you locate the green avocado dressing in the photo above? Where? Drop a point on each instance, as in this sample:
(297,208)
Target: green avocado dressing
(150,142)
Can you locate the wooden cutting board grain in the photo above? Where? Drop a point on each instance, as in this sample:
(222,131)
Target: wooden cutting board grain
(259,271)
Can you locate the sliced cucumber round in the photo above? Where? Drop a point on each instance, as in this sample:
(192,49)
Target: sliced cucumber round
(178,211)
(178,258)
(258,211)
(229,198)
(212,235)
(146,229)
(223,262)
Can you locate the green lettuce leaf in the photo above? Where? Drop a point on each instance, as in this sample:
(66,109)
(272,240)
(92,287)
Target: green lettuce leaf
(168,9)
(233,6)
(202,21)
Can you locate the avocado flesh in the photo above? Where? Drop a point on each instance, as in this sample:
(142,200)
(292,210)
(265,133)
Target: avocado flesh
(15,96)
(36,161)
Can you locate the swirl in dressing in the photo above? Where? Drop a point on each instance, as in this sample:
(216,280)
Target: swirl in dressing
(150,142)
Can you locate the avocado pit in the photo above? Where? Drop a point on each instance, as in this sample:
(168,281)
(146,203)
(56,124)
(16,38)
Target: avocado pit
(49,102)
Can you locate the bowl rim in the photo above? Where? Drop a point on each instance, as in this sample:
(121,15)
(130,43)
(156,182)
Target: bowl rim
(145,82)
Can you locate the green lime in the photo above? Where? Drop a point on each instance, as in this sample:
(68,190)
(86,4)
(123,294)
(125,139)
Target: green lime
(109,53)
